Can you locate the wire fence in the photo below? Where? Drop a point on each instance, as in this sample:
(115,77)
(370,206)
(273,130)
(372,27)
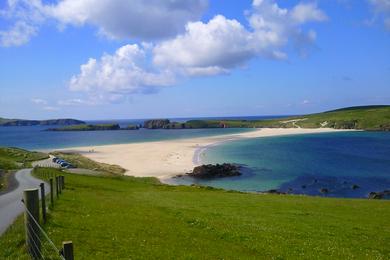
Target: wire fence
(41,246)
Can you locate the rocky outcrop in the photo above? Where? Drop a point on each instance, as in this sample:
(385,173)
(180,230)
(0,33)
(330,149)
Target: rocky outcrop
(215,171)
(156,123)
(379,195)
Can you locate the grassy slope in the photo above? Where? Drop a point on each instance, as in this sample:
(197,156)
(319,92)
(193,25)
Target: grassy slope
(83,162)
(15,158)
(117,218)
(369,118)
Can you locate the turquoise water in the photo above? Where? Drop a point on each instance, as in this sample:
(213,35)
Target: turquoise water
(304,164)
(300,164)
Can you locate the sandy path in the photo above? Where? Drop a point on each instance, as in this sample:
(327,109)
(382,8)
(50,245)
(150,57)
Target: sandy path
(164,159)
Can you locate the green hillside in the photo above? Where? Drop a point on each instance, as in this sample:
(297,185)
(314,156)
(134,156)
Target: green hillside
(126,218)
(365,118)
(15,158)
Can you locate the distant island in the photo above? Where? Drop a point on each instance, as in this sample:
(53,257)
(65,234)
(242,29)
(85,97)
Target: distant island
(375,118)
(23,122)
(97,127)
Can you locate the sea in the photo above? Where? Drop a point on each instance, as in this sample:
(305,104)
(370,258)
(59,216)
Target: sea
(342,164)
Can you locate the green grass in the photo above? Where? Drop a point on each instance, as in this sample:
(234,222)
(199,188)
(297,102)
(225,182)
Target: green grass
(83,162)
(124,218)
(367,118)
(13,159)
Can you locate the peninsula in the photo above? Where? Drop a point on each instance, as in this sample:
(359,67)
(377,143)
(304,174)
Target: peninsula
(371,118)
(23,122)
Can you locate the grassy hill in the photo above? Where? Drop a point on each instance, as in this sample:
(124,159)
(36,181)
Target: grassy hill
(366,118)
(13,159)
(124,218)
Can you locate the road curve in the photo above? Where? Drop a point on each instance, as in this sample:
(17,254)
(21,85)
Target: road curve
(10,203)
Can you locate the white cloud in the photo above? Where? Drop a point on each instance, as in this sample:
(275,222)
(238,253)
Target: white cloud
(209,48)
(221,44)
(382,11)
(152,19)
(206,48)
(305,12)
(25,17)
(123,72)
(39,101)
(50,108)
(19,34)
(119,19)
(74,102)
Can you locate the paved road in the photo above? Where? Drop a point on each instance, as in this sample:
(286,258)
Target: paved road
(10,203)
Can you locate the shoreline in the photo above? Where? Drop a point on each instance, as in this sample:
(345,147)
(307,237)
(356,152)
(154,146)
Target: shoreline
(168,158)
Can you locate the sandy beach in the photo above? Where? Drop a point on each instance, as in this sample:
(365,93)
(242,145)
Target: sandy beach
(164,159)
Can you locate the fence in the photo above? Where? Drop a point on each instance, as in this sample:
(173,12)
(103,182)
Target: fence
(39,245)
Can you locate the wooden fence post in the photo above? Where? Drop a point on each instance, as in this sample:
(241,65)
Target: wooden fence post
(63,181)
(31,201)
(43,202)
(57,192)
(67,249)
(51,192)
(59,184)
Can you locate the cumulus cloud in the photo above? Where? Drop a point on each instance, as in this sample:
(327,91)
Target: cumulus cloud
(221,44)
(123,72)
(152,19)
(206,48)
(382,11)
(119,19)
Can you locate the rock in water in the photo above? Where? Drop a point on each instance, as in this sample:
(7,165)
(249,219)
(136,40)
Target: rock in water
(215,171)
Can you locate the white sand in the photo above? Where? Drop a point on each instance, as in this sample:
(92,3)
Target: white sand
(164,159)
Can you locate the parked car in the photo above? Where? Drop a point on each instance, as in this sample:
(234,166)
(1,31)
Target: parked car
(55,159)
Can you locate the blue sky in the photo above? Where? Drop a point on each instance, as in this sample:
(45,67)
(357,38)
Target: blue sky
(191,57)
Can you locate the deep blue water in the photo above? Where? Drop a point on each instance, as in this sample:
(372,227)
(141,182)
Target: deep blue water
(305,164)
(34,137)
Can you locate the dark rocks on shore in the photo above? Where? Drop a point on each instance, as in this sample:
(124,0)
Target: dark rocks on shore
(379,195)
(273,191)
(215,171)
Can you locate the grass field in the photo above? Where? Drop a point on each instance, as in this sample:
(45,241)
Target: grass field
(126,218)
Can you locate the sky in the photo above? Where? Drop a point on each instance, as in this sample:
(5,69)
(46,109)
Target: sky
(124,59)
